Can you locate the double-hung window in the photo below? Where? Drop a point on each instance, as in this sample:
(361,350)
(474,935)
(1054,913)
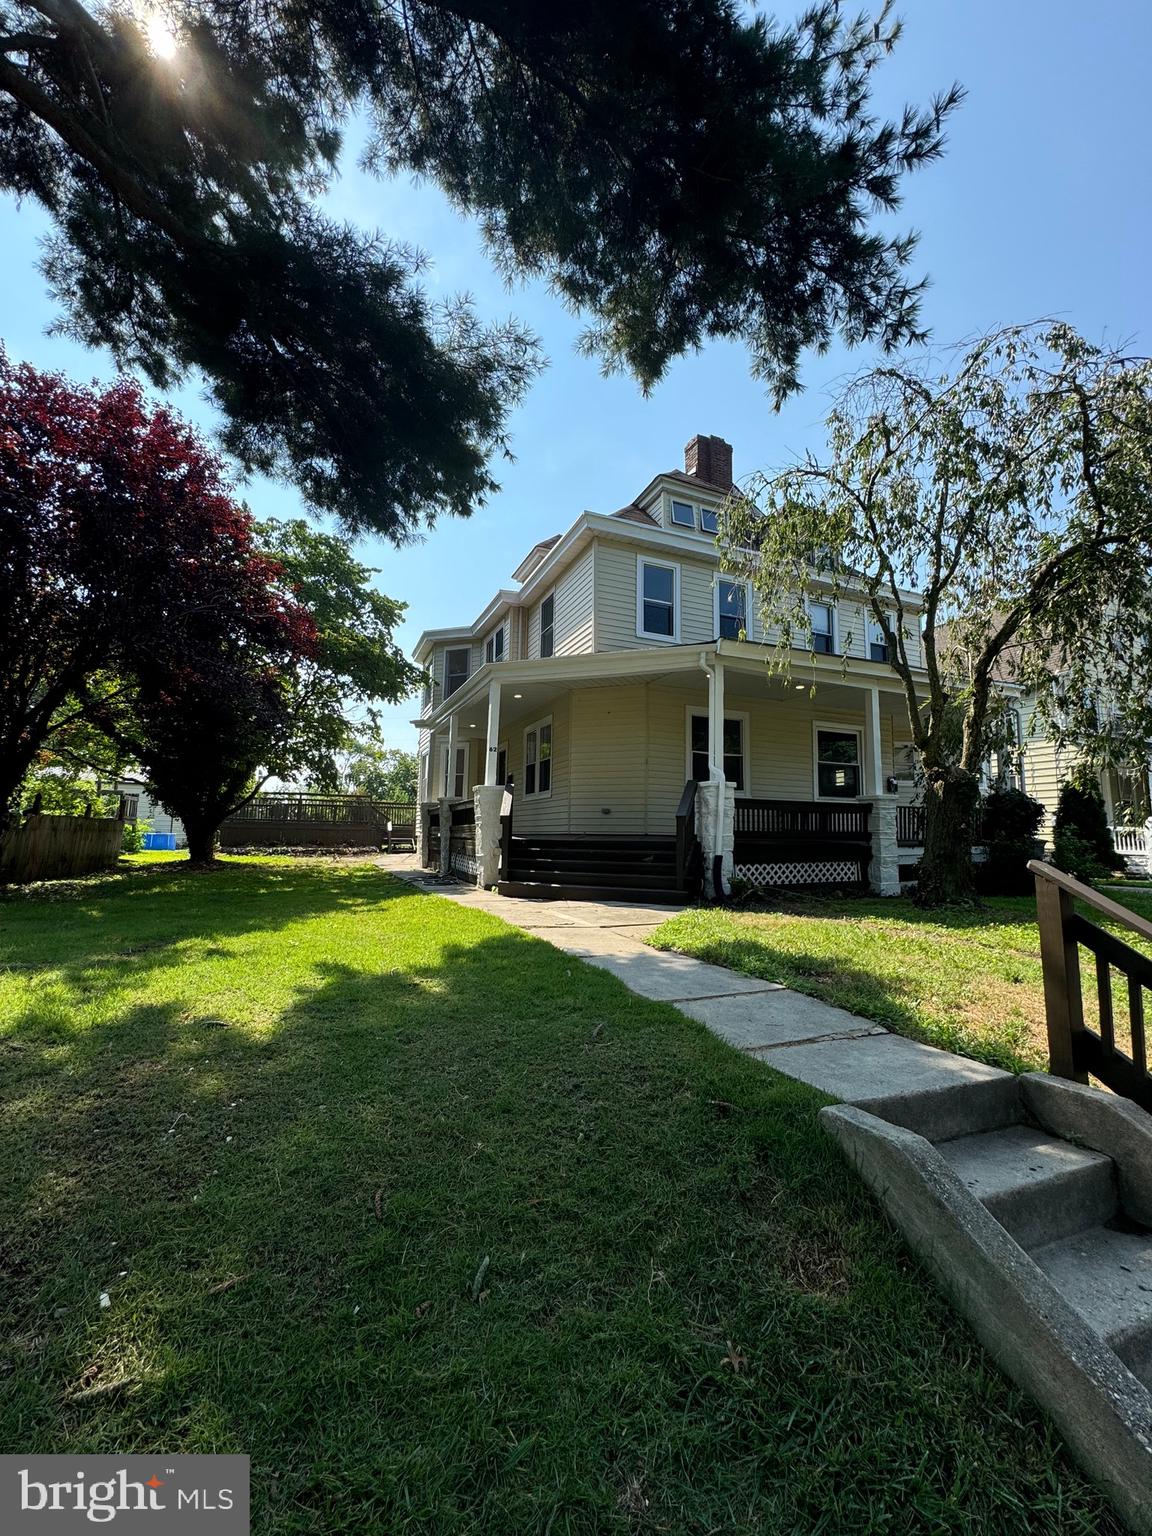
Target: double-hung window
(657,600)
(456,773)
(538,758)
(683,514)
(731,610)
(837,764)
(735,749)
(494,650)
(823,623)
(456,662)
(548,625)
(877,644)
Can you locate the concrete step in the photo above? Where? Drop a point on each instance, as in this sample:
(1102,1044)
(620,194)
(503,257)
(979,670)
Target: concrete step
(931,1092)
(1038,1187)
(1105,1273)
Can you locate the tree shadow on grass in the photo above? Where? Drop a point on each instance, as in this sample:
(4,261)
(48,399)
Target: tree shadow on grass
(488,1244)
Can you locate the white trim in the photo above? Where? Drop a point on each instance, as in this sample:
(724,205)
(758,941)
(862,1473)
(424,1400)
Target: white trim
(719,580)
(538,793)
(842,730)
(745,741)
(681,501)
(667,565)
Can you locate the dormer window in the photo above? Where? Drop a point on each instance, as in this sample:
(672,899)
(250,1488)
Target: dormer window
(683,514)
(709,520)
(494,649)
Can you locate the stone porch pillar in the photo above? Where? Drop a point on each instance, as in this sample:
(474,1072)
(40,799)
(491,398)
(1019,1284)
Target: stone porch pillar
(445,837)
(716,824)
(884,868)
(488,798)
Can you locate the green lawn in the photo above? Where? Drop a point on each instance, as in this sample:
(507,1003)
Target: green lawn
(452,1234)
(968,981)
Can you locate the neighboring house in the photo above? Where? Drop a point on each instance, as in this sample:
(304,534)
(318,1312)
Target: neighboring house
(624,669)
(141,807)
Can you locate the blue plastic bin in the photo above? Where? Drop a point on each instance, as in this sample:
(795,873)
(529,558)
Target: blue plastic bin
(158,840)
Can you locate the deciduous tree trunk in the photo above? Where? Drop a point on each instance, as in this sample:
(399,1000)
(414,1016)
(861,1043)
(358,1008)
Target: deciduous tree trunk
(950,799)
(201,840)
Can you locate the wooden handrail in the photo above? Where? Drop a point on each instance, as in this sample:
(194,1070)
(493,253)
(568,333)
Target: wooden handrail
(1074,1050)
(506,832)
(686,838)
(1091,898)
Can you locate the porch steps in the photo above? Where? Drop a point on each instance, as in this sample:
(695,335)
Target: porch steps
(1037,1220)
(636,869)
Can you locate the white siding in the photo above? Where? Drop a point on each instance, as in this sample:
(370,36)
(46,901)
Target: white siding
(620,753)
(573,617)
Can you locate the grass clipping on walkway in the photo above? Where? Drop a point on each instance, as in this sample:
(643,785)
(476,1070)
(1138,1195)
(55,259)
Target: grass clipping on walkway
(450,1233)
(967,980)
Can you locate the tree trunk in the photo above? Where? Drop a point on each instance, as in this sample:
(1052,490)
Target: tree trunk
(201,841)
(950,799)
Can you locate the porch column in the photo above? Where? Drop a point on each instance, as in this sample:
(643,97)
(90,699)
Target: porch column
(493,739)
(423,792)
(873,759)
(716,721)
(716,800)
(445,798)
(453,743)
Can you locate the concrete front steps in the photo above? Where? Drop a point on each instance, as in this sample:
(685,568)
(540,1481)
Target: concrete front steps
(634,869)
(1031,1201)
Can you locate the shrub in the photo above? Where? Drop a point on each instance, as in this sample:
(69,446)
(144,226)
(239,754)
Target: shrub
(1075,855)
(133,839)
(1009,823)
(1080,812)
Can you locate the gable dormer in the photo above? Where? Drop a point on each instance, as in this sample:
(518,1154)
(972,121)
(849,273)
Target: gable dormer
(687,501)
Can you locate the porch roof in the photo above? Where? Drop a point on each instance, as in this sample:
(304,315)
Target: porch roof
(543,677)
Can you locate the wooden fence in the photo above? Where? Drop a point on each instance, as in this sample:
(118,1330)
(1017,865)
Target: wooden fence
(59,847)
(285,820)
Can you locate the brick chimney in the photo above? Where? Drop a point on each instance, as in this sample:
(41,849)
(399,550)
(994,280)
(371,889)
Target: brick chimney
(710,459)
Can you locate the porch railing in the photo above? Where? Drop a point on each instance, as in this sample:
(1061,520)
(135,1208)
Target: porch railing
(801,819)
(1074,1049)
(1131,842)
(910,826)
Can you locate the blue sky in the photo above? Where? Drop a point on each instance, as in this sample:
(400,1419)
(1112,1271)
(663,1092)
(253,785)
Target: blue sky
(1040,206)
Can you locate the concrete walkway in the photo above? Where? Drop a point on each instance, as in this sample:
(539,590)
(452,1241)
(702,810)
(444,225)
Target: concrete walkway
(849,1058)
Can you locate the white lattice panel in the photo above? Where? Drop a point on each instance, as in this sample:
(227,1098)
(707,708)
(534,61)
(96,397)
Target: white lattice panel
(464,864)
(826,872)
